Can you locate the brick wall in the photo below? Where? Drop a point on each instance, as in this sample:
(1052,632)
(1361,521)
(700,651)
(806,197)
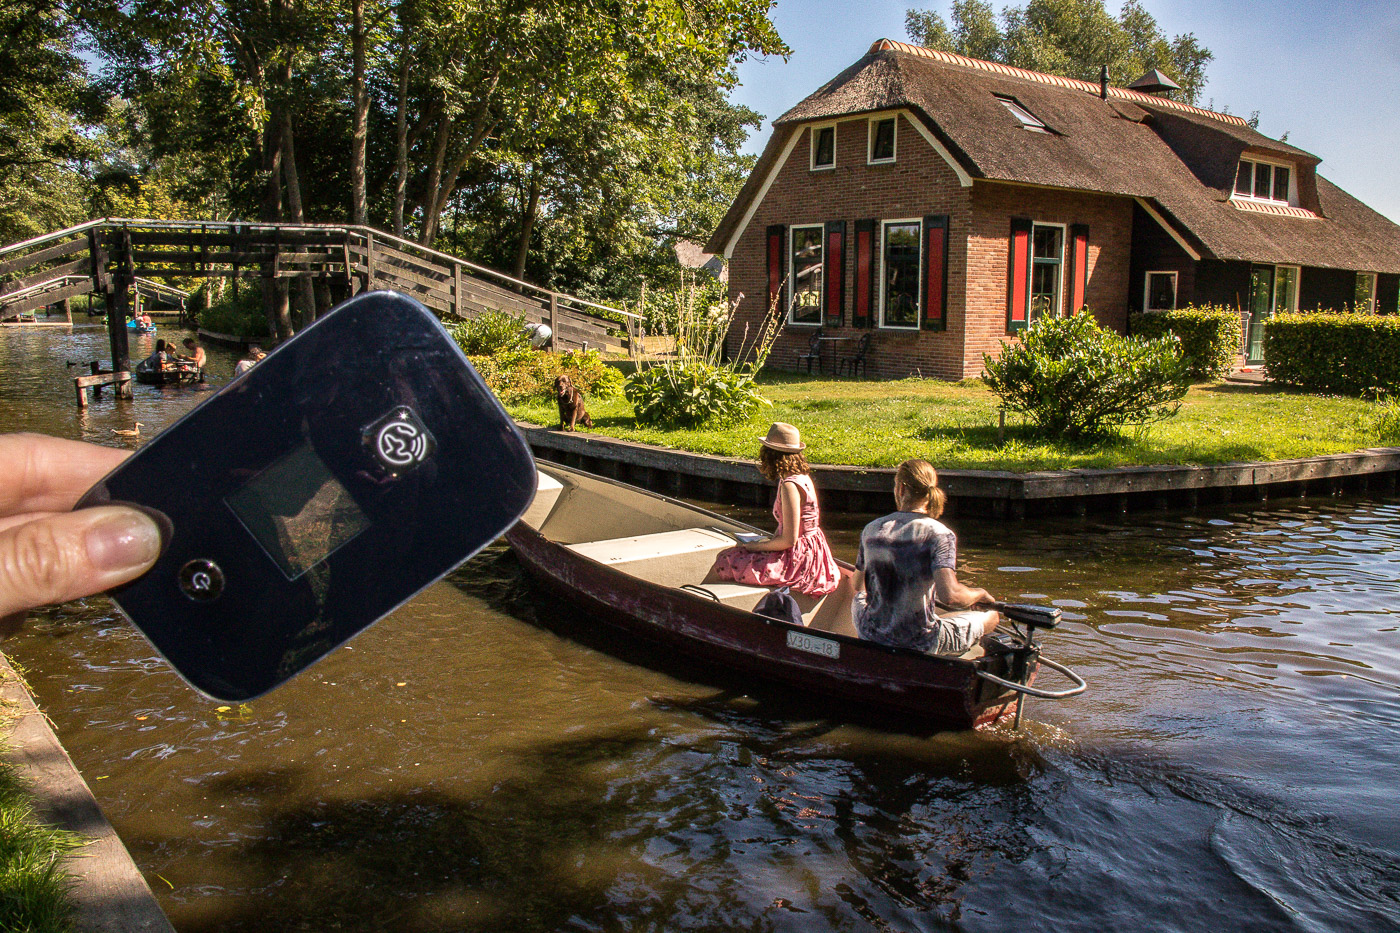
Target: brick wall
(920,183)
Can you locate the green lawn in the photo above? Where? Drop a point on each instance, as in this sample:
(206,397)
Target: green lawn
(954,425)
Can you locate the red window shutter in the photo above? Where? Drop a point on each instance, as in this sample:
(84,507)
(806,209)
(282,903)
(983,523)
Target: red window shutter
(835,273)
(777,281)
(864,298)
(1018,271)
(935,271)
(1078,266)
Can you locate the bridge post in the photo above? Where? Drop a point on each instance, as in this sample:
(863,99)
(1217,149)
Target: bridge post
(554,321)
(117,298)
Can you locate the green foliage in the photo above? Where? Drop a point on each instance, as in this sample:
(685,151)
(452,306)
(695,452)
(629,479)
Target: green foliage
(1067,37)
(491,334)
(1388,424)
(1327,351)
(527,375)
(695,386)
(240,317)
(663,309)
(1210,336)
(1076,380)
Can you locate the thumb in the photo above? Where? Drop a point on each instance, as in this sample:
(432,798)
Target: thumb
(60,557)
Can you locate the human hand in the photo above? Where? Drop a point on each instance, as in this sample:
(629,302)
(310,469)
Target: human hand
(50,554)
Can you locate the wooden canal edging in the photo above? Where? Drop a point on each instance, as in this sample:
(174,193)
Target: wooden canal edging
(117,257)
(986,493)
(109,891)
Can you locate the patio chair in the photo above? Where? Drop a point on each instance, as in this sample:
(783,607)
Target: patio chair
(857,359)
(814,352)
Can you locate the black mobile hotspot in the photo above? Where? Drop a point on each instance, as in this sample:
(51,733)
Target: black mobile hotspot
(358,463)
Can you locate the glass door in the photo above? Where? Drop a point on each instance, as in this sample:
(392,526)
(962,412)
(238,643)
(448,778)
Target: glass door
(1261,308)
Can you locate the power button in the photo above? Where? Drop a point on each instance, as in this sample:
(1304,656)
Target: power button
(201,580)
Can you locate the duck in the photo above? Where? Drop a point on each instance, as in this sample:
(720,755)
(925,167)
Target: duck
(132,432)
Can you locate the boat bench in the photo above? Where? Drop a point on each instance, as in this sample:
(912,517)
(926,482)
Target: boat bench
(668,558)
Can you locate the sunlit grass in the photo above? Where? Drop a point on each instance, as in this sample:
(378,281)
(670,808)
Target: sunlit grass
(954,425)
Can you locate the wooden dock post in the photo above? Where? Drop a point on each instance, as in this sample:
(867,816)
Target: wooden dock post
(554,320)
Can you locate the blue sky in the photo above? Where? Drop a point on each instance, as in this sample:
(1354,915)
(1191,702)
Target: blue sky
(1326,73)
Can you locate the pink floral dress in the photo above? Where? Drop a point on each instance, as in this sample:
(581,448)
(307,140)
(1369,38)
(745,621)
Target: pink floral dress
(807,566)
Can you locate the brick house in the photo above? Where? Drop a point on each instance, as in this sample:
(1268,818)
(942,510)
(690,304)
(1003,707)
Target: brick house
(940,203)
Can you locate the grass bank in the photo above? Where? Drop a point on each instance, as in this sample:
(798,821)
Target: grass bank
(33,885)
(954,425)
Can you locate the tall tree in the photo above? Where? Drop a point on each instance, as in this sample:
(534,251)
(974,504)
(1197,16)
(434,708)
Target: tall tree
(1074,38)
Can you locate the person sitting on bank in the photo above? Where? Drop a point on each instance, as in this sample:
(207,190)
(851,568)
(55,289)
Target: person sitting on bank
(255,354)
(906,561)
(798,554)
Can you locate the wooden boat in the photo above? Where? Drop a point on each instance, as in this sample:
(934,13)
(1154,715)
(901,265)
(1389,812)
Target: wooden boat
(174,374)
(636,561)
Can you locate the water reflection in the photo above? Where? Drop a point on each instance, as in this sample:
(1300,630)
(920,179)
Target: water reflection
(486,759)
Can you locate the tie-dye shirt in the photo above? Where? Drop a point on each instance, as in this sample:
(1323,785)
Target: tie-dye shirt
(901,555)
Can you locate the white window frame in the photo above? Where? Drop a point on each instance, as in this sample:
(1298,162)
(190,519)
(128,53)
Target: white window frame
(1027,119)
(1276,164)
(870,139)
(884,238)
(792,275)
(1375,304)
(1147,287)
(812,146)
(1030,272)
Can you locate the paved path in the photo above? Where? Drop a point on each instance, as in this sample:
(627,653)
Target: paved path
(111,894)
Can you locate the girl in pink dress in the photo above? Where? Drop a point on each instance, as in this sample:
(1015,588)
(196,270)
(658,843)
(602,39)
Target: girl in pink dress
(797,555)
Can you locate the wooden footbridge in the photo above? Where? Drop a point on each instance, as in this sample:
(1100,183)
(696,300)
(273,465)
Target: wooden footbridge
(109,257)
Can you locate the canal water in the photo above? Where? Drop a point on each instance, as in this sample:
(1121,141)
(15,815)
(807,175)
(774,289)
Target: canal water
(484,760)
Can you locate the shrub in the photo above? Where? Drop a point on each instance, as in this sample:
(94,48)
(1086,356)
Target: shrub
(1073,379)
(695,386)
(1328,351)
(528,375)
(241,317)
(491,334)
(1210,336)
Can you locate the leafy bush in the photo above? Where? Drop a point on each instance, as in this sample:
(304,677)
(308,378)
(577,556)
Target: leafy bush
(1326,351)
(662,310)
(241,317)
(1210,336)
(1073,379)
(491,334)
(1388,424)
(528,375)
(695,386)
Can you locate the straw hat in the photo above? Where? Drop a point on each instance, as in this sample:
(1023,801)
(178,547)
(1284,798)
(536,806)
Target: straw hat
(784,438)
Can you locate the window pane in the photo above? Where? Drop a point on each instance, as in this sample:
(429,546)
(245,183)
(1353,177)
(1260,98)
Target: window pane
(1263,180)
(1365,292)
(1049,243)
(1027,119)
(826,146)
(901,275)
(1161,291)
(883,147)
(1244,180)
(806,275)
(1281,183)
(1045,289)
(1286,289)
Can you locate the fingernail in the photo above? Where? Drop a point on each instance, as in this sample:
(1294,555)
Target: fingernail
(123,540)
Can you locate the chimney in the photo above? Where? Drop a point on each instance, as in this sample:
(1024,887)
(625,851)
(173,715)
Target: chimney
(1103,81)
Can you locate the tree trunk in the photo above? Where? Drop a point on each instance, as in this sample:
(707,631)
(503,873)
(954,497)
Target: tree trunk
(527,224)
(401,136)
(359,209)
(305,298)
(274,290)
(440,189)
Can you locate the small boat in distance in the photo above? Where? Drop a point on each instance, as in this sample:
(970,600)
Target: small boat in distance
(173,374)
(636,561)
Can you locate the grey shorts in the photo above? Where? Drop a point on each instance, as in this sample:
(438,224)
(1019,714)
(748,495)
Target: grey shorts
(959,631)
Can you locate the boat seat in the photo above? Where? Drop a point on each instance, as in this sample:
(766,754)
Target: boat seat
(732,594)
(547,490)
(667,558)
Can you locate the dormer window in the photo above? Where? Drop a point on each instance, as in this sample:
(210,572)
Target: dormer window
(882,140)
(1265,181)
(1028,119)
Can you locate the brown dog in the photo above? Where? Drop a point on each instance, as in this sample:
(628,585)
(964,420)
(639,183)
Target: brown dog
(571,409)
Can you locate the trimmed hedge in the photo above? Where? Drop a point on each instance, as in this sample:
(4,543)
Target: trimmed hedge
(1334,352)
(1210,336)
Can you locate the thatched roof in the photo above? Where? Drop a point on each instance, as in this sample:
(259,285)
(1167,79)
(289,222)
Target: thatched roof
(1179,158)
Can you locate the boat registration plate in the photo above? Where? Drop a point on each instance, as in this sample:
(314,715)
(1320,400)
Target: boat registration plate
(814,645)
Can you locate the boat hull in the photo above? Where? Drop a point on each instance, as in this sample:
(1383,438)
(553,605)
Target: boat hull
(913,689)
(149,375)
